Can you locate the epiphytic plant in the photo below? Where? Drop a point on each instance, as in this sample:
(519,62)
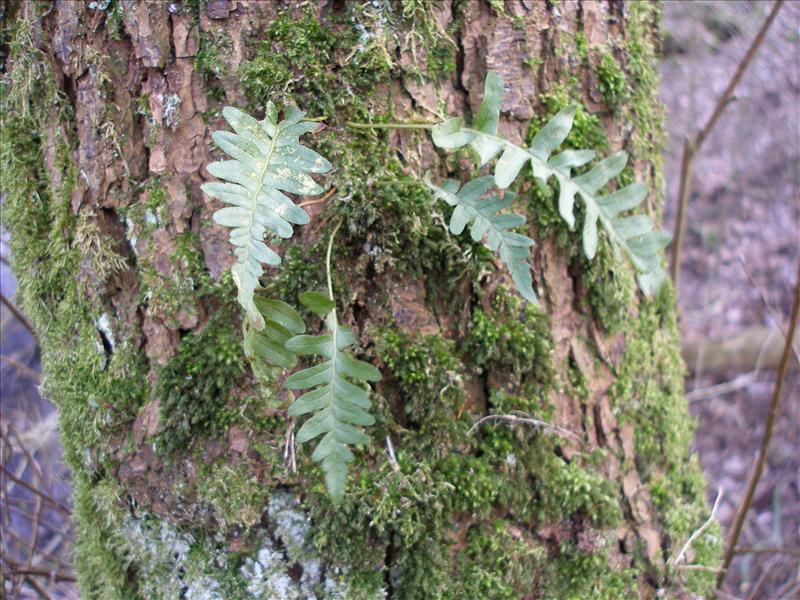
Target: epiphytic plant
(269,160)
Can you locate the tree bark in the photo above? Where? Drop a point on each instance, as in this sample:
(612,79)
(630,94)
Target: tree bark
(184,486)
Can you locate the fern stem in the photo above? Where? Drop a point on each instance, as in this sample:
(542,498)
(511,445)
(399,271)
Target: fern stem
(328,259)
(389,125)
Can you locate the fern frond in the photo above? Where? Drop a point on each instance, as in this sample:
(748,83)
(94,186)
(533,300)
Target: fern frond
(513,248)
(266,347)
(634,235)
(268,160)
(339,405)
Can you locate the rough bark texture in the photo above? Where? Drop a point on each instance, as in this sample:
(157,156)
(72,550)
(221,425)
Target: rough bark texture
(178,457)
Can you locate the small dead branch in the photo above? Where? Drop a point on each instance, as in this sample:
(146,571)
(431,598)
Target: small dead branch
(319,200)
(747,350)
(47,498)
(768,550)
(766,304)
(769,429)
(696,534)
(21,368)
(390,452)
(23,320)
(524,420)
(691,146)
(289,456)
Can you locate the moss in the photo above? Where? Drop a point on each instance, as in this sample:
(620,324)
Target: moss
(427,375)
(612,81)
(498,565)
(197,383)
(648,392)
(577,575)
(644,108)
(211,60)
(292,61)
(234,492)
(100,560)
(515,341)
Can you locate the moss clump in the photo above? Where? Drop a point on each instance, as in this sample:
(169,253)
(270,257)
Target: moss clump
(515,341)
(234,492)
(293,59)
(198,382)
(498,565)
(686,483)
(576,575)
(101,561)
(427,375)
(611,288)
(611,80)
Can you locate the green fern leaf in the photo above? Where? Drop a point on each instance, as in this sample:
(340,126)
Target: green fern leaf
(513,248)
(339,405)
(268,160)
(266,347)
(634,235)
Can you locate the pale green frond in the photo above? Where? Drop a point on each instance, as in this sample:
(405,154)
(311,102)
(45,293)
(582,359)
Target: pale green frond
(266,347)
(636,237)
(489,224)
(268,161)
(337,405)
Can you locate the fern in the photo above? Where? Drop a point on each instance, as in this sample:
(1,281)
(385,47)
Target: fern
(486,220)
(339,405)
(634,235)
(268,160)
(265,348)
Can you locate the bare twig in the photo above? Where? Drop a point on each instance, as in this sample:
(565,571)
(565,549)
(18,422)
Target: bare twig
(766,304)
(768,550)
(320,200)
(52,574)
(721,389)
(390,452)
(517,420)
(758,468)
(698,532)
(17,314)
(23,369)
(691,146)
(289,456)
(47,498)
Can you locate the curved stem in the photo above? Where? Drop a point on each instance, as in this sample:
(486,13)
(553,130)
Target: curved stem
(389,125)
(328,258)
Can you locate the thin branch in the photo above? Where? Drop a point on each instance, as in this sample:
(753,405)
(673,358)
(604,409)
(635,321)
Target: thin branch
(55,503)
(698,532)
(53,574)
(721,389)
(320,200)
(766,304)
(17,314)
(390,452)
(768,550)
(23,369)
(768,431)
(516,420)
(692,146)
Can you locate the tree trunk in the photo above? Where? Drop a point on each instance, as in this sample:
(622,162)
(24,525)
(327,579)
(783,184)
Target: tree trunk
(183,482)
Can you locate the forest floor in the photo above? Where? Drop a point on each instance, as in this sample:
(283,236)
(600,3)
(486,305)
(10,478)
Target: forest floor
(739,262)
(740,259)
